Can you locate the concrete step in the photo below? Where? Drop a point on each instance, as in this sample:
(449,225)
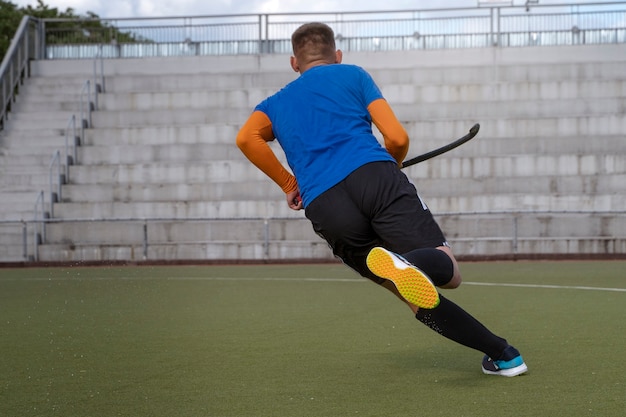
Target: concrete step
(46,147)
(19,197)
(33,93)
(189,172)
(23,136)
(18,213)
(504,91)
(493,72)
(17,239)
(266,190)
(548,127)
(43,115)
(9,170)
(318,251)
(546,76)
(141,154)
(12,253)
(35,121)
(423,139)
(522,79)
(148,66)
(526,202)
(278,208)
(209,191)
(195,99)
(194,172)
(24,182)
(540,132)
(479,148)
(520,166)
(61,85)
(503,226)
(403,102)
(395,90)
(20,205)
(175,209)
(512,110)
(163,135)
(181,232)
(530,247)
(165,117)
(558,63)
(202,242)
(36,106)
(564,125)
(25,159)
(542,185)
(217,251)
(533,225)
(128,83)
(490,146)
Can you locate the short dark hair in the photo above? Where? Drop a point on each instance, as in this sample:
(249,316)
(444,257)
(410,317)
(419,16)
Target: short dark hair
(318,39)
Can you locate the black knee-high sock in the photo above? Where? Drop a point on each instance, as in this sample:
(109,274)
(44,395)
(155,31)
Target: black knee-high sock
(451,321)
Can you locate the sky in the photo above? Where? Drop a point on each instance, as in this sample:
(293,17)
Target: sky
(169,8)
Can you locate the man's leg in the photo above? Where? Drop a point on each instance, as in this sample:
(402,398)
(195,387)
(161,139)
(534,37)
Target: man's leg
(446,318)
(454,323)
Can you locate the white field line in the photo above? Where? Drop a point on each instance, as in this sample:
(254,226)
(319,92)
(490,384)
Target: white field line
(295,279)
(558,287)
(487,284)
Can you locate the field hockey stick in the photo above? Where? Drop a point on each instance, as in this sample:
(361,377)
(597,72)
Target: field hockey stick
(435,152)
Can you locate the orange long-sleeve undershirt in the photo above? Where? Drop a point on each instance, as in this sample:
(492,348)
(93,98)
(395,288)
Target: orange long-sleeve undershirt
(252,140)
(257,131)
(394,135)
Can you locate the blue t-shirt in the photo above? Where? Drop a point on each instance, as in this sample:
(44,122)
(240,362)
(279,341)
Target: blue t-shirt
(322,123)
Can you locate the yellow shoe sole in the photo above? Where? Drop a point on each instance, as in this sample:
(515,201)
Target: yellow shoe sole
(412,284)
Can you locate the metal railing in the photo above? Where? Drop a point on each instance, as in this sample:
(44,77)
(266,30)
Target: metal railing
(493,25)
(14,68)
(508,239)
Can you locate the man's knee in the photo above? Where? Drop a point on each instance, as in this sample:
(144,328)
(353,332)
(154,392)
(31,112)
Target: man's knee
(439,264)
(456,279)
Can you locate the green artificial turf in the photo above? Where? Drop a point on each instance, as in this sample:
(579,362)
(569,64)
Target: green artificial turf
(303,340)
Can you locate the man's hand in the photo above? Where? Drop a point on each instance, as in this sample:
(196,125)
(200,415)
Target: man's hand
(294,201)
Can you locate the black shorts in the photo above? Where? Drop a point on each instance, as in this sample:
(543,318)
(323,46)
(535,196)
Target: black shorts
(376,205)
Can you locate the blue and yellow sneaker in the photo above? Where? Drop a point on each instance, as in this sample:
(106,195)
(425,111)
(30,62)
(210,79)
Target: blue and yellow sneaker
(412,284)
(510,364)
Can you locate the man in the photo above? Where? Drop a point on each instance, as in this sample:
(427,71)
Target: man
(355,194)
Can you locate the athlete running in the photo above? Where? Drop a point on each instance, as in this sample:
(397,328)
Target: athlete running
(354,193)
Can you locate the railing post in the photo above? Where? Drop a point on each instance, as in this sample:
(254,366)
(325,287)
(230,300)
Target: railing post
(24,241)
(85,123)
(261,43)
(41,39)
(515,234)
(498,41)
(71,123)
(39,222)
(145,240)
(266,239)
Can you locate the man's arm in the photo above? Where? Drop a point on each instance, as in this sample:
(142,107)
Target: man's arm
(395,136)
(252,140)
